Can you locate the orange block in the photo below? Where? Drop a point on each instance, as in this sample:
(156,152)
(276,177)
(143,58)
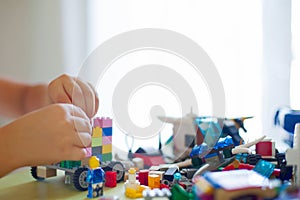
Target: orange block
(154,181)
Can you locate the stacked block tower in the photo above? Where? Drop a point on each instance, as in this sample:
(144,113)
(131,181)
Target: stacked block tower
(102,139)
(101,143)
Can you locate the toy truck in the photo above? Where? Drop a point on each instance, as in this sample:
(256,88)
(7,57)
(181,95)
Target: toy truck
(76,171)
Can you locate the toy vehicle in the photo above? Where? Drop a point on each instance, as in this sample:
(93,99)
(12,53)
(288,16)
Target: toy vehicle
(76,171)
(185,131)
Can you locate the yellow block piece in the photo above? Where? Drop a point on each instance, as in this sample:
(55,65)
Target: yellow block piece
(132,193)
(106,148)
(97,132)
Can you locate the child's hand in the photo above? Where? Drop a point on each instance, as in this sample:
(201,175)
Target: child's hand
(66,89)
(46,136)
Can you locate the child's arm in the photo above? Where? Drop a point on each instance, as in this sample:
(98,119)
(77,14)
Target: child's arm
(14,97)
(19,98)
(47,133)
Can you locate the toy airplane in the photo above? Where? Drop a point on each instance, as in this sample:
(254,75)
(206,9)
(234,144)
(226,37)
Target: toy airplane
(186,134)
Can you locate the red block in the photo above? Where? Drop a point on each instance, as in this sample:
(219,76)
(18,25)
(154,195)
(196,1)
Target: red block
(265,148)
(110,179)
(143,177)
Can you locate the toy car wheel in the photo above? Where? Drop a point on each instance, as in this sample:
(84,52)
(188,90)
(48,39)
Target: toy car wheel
(34,174)
(79,179)
(119,168)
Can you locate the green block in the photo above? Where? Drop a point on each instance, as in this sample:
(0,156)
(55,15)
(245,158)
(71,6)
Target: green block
(106,157)
(96,142)
(62,164)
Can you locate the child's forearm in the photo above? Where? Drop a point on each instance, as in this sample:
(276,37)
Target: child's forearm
(18,98)
(35,97)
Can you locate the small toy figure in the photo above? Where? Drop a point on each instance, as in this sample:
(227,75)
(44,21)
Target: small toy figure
(95,178)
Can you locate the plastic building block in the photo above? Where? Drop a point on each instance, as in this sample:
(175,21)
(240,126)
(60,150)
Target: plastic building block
(97,150)
(103,122)
(69,164)
(96,141)
(107,140)
(95,178)
(106,157)
(159,193)
(293,155)
(264,168)
(138,162)
(169,174)
(154,181)
(178,193)
(133,188)
(287,118)
(45,172)
(107,131)
(266,148)
(143,176)
(159,173)
(111,179)
(106,148)
(246,182)
(97,122)
(97,132)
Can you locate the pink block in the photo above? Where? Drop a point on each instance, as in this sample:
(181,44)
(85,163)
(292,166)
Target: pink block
(106,140)
(106,122)
(89,151)
(97,122)
(102,122)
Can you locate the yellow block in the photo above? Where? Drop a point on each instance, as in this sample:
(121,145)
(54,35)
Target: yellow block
(97,132)
(107,148)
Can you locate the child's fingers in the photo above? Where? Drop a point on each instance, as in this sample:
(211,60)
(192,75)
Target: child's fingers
(61,89)
(82,125)
(77,111)
(82,139)
(89,98)
(77,153)
(96,99)
(78,96)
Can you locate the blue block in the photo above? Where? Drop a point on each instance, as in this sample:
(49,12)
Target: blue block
(100,157)
(264,168)
(107,131)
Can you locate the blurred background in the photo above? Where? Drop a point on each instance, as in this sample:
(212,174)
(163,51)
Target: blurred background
(255,45)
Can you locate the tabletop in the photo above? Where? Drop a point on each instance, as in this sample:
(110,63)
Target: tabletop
(21,185)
